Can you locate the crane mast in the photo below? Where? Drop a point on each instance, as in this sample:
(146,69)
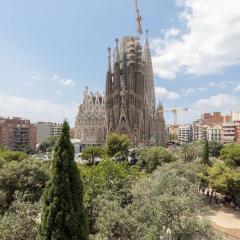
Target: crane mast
(175,115)
(139,18)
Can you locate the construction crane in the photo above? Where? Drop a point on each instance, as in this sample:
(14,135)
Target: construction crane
(139,18)
(175,119)
(175,113)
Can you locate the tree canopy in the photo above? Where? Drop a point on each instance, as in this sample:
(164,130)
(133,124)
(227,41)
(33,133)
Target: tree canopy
(117,145)
(215,148)
(28,177)
(205,154)
(230,154)
(48,144)
(12,155)
(106,177)
(91,153)
(150,158)
(163,206)
(225,180)
(19,222)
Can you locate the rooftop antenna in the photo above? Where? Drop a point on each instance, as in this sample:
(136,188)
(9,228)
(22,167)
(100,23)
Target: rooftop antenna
(139,19)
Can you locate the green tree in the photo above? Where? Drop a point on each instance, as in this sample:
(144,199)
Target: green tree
(191,151)
(164,206)
(28,177)
(215,148)
(205,155)
(20,221)
(48,144)
(195,172)
(117,145)
(63,214)
(108,178)
(12,155)
(230,154)
(225,180)
(151,158)
(29,150)
(92,152)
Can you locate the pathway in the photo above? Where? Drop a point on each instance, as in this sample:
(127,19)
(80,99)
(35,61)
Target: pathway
(224,220)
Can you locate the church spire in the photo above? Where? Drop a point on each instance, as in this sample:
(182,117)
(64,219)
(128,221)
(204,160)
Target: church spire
(109,60)
(148,76)
(147,31)
(116,52)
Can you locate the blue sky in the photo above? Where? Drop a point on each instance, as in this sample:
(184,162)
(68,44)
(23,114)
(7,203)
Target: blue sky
(51,50)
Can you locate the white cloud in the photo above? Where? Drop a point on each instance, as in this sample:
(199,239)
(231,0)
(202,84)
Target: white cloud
(202,89)
(59,93)
(220,102)
(55,77)
(224,103)
(237,88)
(208,45)
(67,82)
(36,78)
(221,85)
(187,91)
(165,94)
(171,33)
(36,109)
(29,84)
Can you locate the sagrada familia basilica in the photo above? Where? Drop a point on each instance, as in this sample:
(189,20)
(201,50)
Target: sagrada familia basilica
(129,103)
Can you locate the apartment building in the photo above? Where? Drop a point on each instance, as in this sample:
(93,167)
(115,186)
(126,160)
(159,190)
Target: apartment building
(17,134)
(185,134)
(237,131)
(214,133)
(236,116)
(56,129)
(199,131)
(215,118)
(228,133)
(47,129)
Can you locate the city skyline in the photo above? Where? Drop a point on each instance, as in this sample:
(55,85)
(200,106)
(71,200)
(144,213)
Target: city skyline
(49,50)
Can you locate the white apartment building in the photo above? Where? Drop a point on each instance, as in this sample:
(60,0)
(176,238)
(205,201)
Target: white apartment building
(236,116)
(185,134)
(199,131)
(196,129)
(214,133)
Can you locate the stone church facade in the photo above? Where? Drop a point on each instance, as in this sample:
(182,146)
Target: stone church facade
(130,94)
(90,122)
(129,103)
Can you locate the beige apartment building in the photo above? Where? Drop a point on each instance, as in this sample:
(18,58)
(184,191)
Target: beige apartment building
(46,130)
(236,116)
(214,133)
(237,131)
(228,133)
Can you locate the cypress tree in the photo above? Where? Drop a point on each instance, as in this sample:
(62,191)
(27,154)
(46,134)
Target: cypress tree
(63,215)
(205,156)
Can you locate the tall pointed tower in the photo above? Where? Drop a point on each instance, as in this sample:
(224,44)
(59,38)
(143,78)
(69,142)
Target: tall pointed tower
(148,77)
(161,131)
(130,92)
(125,90)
